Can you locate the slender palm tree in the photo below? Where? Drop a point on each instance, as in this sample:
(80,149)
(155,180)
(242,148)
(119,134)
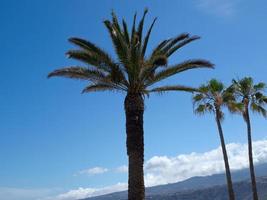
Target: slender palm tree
(252,98)
(211,98)
(134,73)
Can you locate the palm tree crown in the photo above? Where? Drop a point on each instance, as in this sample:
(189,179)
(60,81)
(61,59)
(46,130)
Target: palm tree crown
(251,95)
(134,71)
(212,97)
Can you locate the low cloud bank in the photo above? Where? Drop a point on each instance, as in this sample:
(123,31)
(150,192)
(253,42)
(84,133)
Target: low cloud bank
(163,169)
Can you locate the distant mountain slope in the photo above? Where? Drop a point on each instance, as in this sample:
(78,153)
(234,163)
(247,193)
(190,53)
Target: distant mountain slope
(198,188)
(242,191)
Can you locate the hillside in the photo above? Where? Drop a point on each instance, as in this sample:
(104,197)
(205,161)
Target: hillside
(202,188)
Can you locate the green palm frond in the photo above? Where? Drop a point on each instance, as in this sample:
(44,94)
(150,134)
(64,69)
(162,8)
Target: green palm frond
(235,107)
(92,49)
(115,23)
(78,73)
(198,97)
(258,109)
(183,43)
(88,46)
(204,108)
(158,48)
(133,35)
(243,87)
(141,25)
(186,65)
(259,87)
(125,31)
(90,59)
(115,72)
(173,88)
(168,47)
(99,88)
(147,38)
(119,43)
(216,86)
(203,89)
(92,55)
(174,41)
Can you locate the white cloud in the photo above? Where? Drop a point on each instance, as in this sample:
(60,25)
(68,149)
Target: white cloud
(163,169)
(122,169)
(225,8)
(9,193)
(89,192)
(93,171)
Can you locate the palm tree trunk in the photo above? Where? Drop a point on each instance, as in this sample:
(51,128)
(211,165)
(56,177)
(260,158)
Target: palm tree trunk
(134,110)
(225,157)
(250,155)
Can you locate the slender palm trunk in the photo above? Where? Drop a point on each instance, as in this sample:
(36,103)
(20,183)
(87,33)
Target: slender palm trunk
(250,155)
(225,157)
(134,110)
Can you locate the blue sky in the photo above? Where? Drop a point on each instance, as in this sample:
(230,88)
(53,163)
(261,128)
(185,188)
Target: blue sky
(50,133)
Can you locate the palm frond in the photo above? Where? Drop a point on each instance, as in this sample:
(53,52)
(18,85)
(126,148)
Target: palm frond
(203,89)
(94,55)
(235,107)
(203,108)
(174,41)
(258,109)
(198,97)
(126,33)
(183,43)
(147,37)
(99,88)
(89,59)
(78,73)
(133,35)
(91,47)
(215,85)
(115,22)
(173,88)
(159,60)
(119,43)
(141,25)
(158,48)
(259,87)
(186,65)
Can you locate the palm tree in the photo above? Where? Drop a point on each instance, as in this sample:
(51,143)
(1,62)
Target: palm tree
(211,98)
(133,73)
(251,97)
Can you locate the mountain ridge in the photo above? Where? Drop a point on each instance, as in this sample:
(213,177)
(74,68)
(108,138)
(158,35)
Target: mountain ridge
(214,185)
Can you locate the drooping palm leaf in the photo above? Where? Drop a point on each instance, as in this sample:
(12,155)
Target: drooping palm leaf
(79,73)
(186,65)
(173,88)
(99,88)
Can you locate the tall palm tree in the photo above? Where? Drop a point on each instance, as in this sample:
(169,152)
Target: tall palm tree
(134,73)
(211,98)
(252,98)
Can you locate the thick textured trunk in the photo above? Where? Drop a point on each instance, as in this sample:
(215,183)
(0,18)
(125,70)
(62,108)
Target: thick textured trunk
(134,110)
(250,155)
(231,193)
